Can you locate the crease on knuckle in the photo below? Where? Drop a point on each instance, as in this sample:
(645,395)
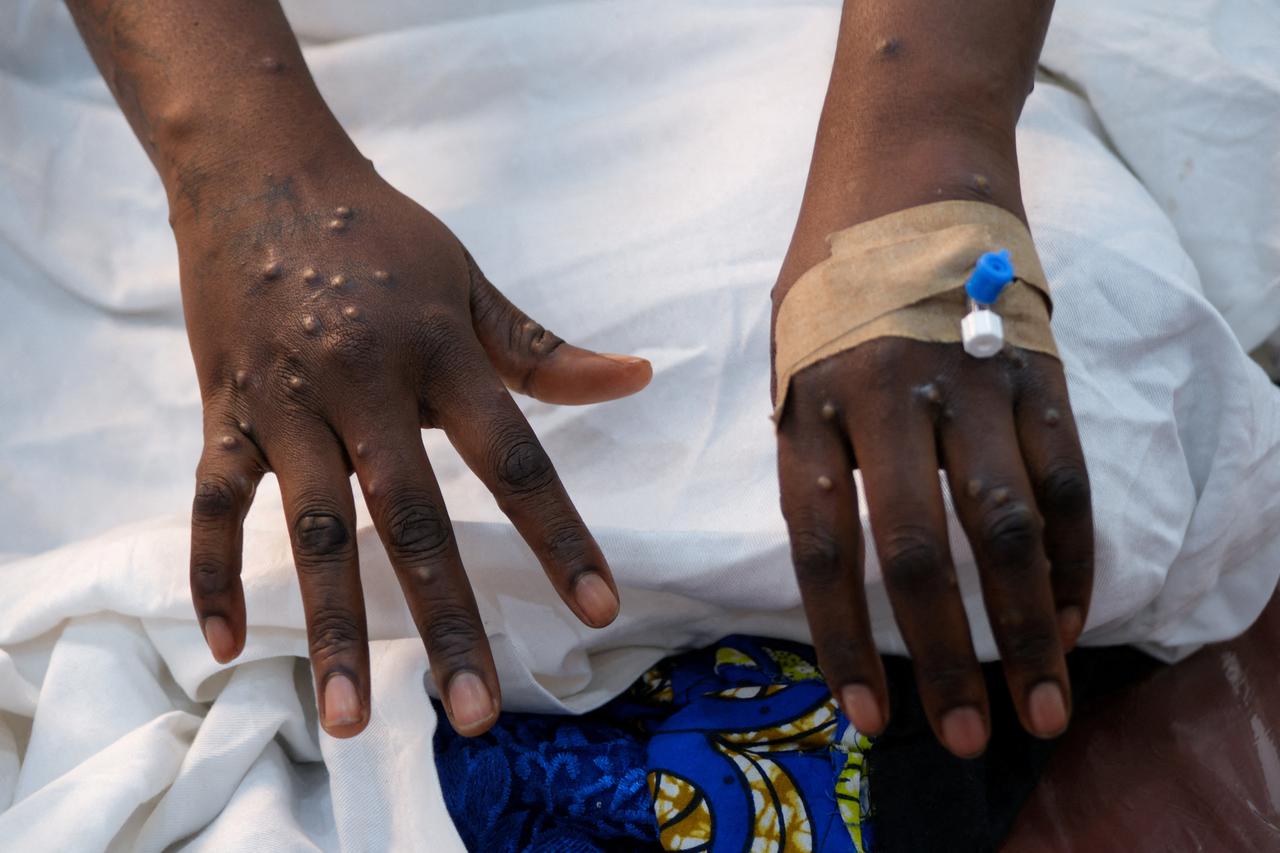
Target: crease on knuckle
(331,634)
(209,577)
(911,560)
(488,308)
(951,679)
(321,538)
(1065,489)
(417,530)
(437,338)
(452,635)
(567,542)
(1029,645)
(351,345)
(521,465)
(815,555)
(1010,533)
(218,499)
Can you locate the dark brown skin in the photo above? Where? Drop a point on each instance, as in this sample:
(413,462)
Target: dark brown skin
(922,105)
(331,318)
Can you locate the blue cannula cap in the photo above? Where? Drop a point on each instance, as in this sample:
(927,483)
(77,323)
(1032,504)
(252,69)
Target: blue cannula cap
(990,275)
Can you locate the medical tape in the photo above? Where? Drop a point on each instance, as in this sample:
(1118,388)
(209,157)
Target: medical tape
(903,275)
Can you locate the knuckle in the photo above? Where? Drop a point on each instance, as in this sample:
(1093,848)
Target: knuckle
(883,363)
(351,345)
(321,536)
(487,304)
(521,465)
(331,633)
(567,543)
(1066,489)
(217,499)
(452,634)
(1010,533)
(950,678)
(1076,572)
(815,555)
(1029,645)
(437,336)
(911,560)
(417,529)
(209,577)
(531,338)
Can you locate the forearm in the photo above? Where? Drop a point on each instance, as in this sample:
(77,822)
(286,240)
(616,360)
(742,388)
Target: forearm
(216,91)
(921,107)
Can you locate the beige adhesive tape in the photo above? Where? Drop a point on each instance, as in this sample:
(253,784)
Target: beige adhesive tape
(903,275)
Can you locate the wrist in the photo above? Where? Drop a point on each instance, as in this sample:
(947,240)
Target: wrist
(854,178)
(208,155)
(877,153)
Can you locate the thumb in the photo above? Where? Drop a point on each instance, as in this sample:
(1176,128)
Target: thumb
(536,362)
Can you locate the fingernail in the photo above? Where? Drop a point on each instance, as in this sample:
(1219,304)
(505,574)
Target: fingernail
(963,732)
(860,706)
(596,599)
(341,703)
(1047,709)
(623,359)
(1070,624)
(217,634)
(470,704)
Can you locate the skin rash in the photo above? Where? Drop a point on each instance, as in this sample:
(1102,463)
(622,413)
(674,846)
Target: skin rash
(331,318)
(922,105)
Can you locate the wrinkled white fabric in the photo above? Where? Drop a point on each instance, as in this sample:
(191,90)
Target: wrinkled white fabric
(629,174)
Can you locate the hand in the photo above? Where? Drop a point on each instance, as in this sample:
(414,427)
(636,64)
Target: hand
(922,107)
(331,318)
(899,410)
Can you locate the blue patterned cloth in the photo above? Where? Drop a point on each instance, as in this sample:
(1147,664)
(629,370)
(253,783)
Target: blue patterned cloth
(708,751)
(547,784)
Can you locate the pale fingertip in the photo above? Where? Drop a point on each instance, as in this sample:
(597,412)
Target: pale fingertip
(341,702)
(1047,709)
(859,704)
(1070,625)
(963,732)
(595,599)
(218,636)
(471,706)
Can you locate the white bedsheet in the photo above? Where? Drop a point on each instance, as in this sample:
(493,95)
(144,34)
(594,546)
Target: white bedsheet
(628,173)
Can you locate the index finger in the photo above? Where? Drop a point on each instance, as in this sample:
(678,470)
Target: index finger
(408,510)
(893,439)
(497,443)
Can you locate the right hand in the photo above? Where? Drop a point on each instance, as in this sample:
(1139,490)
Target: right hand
(331,318)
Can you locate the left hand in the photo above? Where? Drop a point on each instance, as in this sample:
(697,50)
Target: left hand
(900,410)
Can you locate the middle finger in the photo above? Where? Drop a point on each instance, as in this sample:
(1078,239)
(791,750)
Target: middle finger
(893,441)
(408,510)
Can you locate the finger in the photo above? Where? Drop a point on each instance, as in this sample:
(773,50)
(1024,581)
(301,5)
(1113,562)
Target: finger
(497,443)
(226,478)
(1055,463)
(533,361)
(321,518)
(820,505)
(997,508)
(893,441)
(409,512)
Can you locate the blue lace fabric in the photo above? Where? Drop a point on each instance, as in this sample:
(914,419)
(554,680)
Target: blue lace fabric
(715,750)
